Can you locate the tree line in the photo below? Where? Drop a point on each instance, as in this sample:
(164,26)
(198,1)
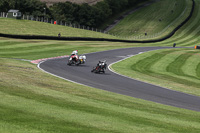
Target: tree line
(84,14)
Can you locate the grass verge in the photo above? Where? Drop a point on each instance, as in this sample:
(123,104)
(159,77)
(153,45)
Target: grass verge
(176,69)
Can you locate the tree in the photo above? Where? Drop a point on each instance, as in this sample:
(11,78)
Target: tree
(102,11)
(65,12)
(6,5)
(25,6)
(117,5)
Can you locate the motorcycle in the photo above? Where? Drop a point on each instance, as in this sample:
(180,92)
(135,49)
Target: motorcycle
(101,66)
(74,59)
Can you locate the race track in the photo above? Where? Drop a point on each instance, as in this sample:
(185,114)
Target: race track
(116,83)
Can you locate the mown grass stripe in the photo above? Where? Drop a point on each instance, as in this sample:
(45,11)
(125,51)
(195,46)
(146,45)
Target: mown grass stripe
(176,65)
(10,43)
(145,64)
(38,52)
(173,69)
(77,117)
(161,65)
(29,47)
(23,44)
(190,67)
(44,123)
(131,119)
(150,70)
(198,70)
(194,37)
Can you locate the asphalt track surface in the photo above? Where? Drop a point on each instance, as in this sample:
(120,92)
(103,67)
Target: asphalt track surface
(116,83)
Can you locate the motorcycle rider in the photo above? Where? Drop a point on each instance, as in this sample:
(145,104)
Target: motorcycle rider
(74,54)
(101,66)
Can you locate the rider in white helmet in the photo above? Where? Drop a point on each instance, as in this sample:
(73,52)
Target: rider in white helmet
(75,52)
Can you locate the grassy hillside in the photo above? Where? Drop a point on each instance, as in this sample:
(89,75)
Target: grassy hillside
(27,27)
(157,19)
(33,101)
(188,35)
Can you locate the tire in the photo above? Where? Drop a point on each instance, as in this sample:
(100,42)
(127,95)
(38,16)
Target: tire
(69,63)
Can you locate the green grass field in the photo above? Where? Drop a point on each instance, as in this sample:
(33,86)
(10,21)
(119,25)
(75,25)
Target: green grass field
(146,20)
(33,101)
(27,27)
(37,49)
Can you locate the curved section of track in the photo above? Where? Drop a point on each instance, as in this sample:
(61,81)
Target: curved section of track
(116,83)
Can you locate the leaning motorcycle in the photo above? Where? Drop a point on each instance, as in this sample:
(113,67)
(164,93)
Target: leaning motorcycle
(74,59)
(101,66)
